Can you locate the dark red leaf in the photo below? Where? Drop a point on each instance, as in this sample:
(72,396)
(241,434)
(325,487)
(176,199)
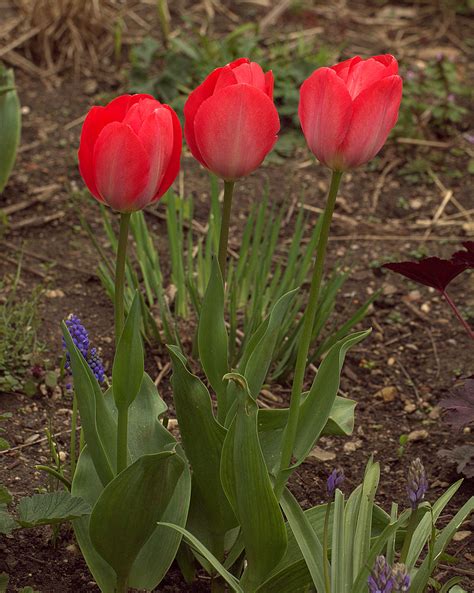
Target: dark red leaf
(465,257)
(460,405)
(463,457)
(430,271)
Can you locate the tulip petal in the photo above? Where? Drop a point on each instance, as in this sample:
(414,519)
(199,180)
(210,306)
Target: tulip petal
(343,69)
(389,62)
(174,160)
(364,74)
(375,113)
(252,74)
(325,112)
(269,84)
(138,112)
(235,129)
(121,166)
(95,122)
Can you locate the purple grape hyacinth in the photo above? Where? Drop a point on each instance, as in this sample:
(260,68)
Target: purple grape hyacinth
(380,580)
(336,478)
(80,337)
(417,484)
(400,578)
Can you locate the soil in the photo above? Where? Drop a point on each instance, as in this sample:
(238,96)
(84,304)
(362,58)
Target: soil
(414,356)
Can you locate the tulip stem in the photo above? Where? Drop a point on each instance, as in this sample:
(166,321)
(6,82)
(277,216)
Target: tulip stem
(120,275)
(224,235)
(289,435)
(464,323)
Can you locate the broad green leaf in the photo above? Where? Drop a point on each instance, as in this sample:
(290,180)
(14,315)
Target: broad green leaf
(203,551)
(351,514)
(430,562)
(10,125)
(260,357)
(212,337)
(5,496)
(307,539)
(100,429)
(146,435)
(128,369)
(51,508)
(211,516)
(363,527)
(423,530)
(4,578)
(126,513)
(7,522)
(338,564)
(316,408)
(248,487)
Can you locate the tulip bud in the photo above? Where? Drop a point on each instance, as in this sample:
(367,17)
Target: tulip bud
(129,152)
(347,111)
(417,484)
(231,120)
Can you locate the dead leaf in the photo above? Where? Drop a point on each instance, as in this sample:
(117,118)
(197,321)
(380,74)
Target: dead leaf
(388,394)
(322,455)
(54,294)
(460,535)
(352,446)
(418,435)
(409,407)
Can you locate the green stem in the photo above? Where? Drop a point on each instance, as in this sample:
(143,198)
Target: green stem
(224,236)
(122,439)
(72,448)
(327,580)
(412,524)
(289,435)
(122,586)
(120,275)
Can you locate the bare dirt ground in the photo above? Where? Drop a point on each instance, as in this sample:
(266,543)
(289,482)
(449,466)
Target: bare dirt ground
(417,349)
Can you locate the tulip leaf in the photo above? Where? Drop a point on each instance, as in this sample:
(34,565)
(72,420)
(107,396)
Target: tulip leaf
(202,437)
(212,336)
(128,369)
(316,408)
(248,487)
(100,429)
(203,551)
(126,513)
(146,436)
(306,538)
(50,508)
(10,124)
(258,354)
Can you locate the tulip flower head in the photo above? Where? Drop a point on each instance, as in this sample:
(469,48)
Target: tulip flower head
(130,151)
(231,120)
(347,111)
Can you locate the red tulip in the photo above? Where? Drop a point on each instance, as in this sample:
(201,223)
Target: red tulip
(348,110)
(129,152)
(231,121)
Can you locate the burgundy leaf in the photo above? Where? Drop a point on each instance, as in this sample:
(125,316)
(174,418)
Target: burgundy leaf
(460,405)
(430,271)
(465,257)
(463,456)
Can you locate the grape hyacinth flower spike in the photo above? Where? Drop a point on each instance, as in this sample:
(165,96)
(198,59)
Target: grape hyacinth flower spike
(80,337)
(380,580)
(336,478)
(401,578)
(417,484)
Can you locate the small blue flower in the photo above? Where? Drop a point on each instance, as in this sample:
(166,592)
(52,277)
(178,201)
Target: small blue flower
(336,478)
(80,337)
(380,580)
(417,484)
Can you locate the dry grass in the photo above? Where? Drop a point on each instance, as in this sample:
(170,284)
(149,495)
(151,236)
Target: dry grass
(48,37)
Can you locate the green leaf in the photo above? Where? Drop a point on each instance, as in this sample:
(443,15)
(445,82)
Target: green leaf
(7,522)
(146,435)
(10,125)
(431,560)
(203,551)
(338,564)
(4,578)
(316,408)
(50,508)
(125,516)
(128,369)
(5,496)
(308,542)
(202,438)
(257,362)
(100,429)
(363,527)
(28,590)
(248,487)
(212,337)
